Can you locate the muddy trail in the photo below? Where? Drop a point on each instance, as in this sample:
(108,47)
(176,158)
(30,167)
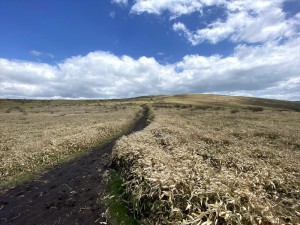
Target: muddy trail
(71,193)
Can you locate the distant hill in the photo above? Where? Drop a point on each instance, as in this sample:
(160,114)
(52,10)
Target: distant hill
(224,100)
(190,99)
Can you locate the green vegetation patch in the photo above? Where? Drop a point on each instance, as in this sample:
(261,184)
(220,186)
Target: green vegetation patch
(118,213)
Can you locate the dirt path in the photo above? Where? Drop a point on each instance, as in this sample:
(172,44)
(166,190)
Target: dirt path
(71,193)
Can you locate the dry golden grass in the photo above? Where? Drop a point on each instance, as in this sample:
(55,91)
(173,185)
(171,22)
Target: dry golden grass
(214,166)
(204,159)
(233,101)
(38,134)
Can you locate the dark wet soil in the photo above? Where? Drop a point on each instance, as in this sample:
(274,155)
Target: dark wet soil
(71,193)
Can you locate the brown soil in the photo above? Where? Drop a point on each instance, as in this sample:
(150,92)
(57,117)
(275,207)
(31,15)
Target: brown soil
(71,193)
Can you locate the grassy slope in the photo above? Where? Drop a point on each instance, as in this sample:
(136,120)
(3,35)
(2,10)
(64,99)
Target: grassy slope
(231,101)
(234,134)
(239,103)
(36,134)
(194,99)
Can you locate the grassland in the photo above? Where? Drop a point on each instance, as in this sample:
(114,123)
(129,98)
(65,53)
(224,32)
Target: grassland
(232,101)
(38,134)
(214,160)
(203,159)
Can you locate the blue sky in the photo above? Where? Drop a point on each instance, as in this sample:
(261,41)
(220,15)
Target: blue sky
(68,28)
(123,48)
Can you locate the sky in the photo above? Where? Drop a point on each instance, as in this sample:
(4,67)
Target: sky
(90,49)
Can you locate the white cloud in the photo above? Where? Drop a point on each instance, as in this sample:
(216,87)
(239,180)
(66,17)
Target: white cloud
(35,53)
(112,14)
(267,25)
(248,21)
(120,2)
(248,69)
(286,90)
(269,70)
(39,54)
(175,7)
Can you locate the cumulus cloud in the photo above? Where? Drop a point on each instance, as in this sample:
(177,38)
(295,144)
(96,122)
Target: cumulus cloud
(288,90)
(269,70)
(250,21)
(248,69)
(175,7)
(250,25)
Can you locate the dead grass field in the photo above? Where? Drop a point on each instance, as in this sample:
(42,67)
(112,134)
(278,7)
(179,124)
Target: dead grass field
(230,162)
(204,159)
(38,134)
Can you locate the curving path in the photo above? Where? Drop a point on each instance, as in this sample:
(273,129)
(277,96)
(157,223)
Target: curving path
(71,193)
